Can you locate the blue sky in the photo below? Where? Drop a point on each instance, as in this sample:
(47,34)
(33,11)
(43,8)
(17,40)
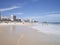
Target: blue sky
(43,10)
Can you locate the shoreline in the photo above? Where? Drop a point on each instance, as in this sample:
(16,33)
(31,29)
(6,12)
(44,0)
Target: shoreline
(22,35)
(16,23)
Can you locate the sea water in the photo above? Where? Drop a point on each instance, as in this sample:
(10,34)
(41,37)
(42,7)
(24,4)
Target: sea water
(47,28)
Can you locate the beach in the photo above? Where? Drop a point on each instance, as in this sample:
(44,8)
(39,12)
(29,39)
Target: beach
(23,34)
(16,23)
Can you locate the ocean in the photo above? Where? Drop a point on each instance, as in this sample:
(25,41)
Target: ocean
(48,28)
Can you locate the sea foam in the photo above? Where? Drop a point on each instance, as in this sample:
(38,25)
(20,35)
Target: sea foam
(47,28)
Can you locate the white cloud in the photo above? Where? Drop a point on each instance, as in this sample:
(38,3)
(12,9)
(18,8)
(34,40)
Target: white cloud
(10,8)
(53,15)
(50,12)
(54,12)
(51,18)
(18,13)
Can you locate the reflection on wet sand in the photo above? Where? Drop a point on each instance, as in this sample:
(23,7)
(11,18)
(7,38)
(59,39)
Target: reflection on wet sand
(12,28)
(1,29)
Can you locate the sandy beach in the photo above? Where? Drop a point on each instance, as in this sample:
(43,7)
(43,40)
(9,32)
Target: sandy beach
(24,35)
(16,23)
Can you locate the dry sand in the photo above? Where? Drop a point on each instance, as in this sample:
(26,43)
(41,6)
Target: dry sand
(23,35)
(16,23)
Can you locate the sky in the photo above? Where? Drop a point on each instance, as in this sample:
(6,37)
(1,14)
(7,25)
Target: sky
(42,10)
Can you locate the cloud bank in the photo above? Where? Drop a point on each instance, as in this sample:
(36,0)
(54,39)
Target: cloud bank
(52,18)
(47,18)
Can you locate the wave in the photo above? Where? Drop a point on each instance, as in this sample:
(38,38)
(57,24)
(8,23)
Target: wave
(47,28)
(52,22)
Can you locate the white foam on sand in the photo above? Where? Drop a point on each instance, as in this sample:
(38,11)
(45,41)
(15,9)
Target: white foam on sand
(47,28)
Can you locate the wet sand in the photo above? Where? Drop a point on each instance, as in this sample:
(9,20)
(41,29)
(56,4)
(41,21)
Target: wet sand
(23,35)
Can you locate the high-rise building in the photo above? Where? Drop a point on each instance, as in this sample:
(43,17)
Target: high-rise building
(13,18)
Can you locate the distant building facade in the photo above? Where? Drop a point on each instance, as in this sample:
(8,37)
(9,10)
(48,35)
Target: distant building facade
(13,18)
(4,18)
(18,20)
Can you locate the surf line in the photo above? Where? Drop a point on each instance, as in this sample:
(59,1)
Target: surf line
(20,39)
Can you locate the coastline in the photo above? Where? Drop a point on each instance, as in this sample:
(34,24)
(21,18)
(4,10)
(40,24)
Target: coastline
(11,34)
(22,35)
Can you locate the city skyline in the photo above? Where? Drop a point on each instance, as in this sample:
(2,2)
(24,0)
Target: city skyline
(42,10)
